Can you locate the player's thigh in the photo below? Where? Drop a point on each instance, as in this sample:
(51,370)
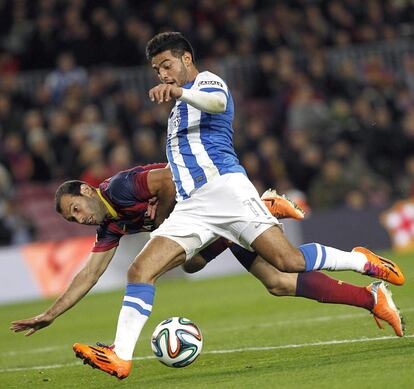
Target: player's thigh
(273,246)
(276,282)
(158,256)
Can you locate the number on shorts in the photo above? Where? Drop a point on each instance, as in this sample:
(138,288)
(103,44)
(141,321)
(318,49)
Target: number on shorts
(255,207)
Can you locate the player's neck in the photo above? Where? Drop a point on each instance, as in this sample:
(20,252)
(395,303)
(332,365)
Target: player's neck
(192,74)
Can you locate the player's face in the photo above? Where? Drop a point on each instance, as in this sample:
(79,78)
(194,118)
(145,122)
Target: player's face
(171,69)
(82,209)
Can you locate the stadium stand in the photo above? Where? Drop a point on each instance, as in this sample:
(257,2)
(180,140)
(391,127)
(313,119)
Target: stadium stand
(324,93)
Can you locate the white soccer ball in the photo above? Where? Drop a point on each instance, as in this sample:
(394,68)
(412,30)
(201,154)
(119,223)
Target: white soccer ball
(176,342)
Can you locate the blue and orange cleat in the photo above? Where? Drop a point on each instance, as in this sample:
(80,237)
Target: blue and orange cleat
(103,357)
(385,308)
(381,268)
(281,206)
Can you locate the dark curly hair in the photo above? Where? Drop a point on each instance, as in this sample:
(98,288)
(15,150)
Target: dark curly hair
(174,41)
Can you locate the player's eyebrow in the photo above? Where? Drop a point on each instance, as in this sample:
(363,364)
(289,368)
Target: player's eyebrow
(155,67)
(70,218)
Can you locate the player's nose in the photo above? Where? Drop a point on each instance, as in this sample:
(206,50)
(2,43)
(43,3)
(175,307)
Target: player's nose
(81,219)
(163,75)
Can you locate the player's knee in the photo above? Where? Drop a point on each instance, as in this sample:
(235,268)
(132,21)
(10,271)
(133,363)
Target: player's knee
(278,290)
(277,284)
(290,261)
(137,273)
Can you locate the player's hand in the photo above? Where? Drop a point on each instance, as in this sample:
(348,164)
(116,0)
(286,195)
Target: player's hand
(32,325)
(152,208)
(164,93)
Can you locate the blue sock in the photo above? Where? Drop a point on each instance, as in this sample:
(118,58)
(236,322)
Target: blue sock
(136,308)
(140,297)
(315,256)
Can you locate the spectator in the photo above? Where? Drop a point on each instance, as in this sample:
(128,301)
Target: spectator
(330,187)
(314,113)
(66,75)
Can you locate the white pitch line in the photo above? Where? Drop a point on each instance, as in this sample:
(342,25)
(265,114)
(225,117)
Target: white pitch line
(39,350)
(301,321)
(229,351)
(304,321)
(299,345)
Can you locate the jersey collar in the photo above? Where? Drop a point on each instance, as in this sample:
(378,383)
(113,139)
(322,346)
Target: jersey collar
(188,85)
(108,206)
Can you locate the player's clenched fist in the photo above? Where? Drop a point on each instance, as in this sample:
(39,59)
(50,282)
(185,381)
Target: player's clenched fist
(164,92)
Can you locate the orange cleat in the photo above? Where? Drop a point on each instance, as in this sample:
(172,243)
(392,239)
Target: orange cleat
(381,268)
(104,358)
(280,206)
(385,308)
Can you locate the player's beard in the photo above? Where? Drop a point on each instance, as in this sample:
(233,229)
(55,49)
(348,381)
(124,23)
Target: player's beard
(98,211)
(182,78)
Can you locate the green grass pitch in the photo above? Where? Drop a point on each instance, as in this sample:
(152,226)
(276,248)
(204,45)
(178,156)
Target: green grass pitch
(251,340)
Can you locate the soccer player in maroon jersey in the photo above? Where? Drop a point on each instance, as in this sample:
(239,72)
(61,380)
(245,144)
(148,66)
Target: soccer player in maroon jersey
(121,205)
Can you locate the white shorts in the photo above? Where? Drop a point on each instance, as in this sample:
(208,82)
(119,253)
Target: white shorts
(229,207)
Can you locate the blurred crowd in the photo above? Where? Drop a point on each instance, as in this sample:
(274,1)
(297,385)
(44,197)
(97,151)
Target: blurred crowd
(343,138)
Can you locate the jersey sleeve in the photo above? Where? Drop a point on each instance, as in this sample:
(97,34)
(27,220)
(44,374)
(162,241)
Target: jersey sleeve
(209,82)
(140,182)
(107,237)
(130,186)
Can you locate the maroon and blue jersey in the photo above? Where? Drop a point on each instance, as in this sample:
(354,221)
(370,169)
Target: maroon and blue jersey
(127,194)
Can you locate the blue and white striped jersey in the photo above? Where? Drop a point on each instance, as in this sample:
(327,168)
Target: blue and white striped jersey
(199,144)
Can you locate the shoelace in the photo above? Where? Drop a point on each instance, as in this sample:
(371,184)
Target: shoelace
(373,269)
(103,345)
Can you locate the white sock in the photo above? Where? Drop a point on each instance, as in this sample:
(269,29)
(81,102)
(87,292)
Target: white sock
(136,308)
(344,260)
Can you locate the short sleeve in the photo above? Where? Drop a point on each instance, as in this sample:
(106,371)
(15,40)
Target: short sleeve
(140,182)
(107,237)
(130,186)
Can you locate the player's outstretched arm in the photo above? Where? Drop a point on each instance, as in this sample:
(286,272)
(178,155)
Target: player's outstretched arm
(210,102)
(81,284)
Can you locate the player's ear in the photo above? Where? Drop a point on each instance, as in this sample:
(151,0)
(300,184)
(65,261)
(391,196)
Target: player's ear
(187,58)
(86,190)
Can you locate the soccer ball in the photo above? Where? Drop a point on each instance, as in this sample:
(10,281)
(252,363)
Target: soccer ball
(176,342)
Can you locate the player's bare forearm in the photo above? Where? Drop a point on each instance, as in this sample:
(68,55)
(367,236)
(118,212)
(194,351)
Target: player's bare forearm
(81,284)
(166,204)
(161,185)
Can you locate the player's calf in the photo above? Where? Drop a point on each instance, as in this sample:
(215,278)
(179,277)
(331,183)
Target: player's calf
(194,264)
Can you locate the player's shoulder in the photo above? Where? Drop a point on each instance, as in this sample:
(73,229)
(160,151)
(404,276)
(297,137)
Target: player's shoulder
(208,79)
(122,177)
(111,182)
(118,187)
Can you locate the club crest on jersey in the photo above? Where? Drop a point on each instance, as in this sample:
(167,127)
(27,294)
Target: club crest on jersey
(174,120)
